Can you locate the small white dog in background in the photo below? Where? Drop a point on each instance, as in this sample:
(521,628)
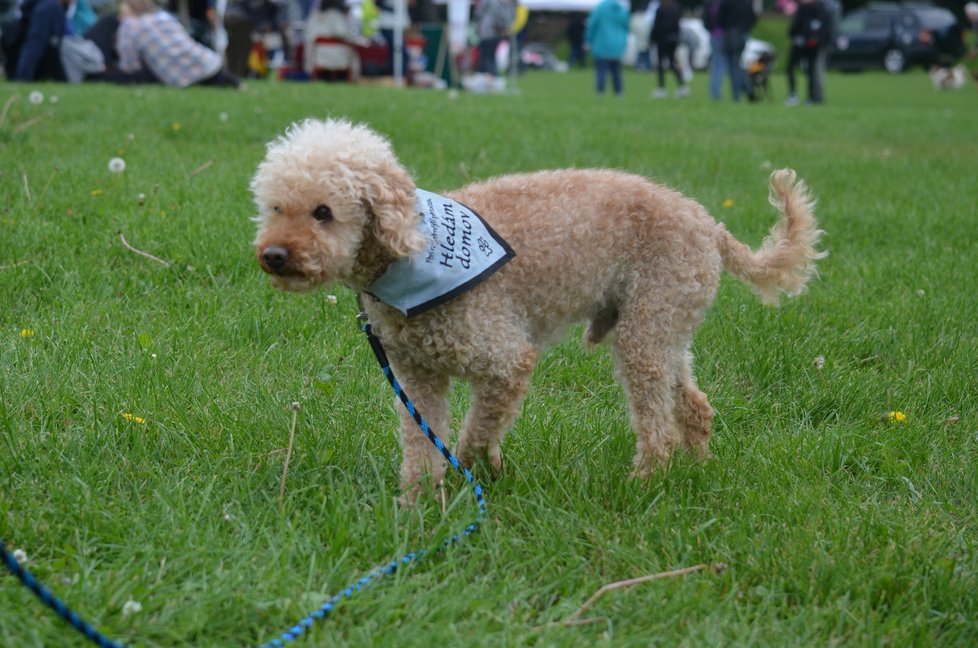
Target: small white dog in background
(948,78)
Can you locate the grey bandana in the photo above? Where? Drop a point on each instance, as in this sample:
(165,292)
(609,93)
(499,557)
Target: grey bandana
(462,251)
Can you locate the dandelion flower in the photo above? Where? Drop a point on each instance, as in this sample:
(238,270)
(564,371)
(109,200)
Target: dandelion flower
(117,165)
(53,99)
(26,333)
(131,137)
(141,198)
(331,299)
(223,116)
(819,362)
(896,417)
(97,192)
(132,417)
(36,97)
(728,203)
(131,607)
(20,556)
(176,127)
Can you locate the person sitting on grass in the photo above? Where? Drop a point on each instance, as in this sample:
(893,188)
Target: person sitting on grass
(155,39)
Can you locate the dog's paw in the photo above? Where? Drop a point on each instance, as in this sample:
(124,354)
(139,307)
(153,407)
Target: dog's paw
(471,458)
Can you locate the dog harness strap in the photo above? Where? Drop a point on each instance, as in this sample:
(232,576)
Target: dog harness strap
(462,251)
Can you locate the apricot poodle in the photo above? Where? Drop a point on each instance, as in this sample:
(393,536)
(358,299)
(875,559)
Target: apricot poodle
(637,260)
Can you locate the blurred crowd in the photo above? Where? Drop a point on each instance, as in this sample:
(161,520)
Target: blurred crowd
(222,42)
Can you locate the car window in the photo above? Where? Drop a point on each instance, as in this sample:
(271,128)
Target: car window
(877,22)
(934,18)
(852,24)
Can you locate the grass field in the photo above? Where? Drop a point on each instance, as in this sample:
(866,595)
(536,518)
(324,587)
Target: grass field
(144,410)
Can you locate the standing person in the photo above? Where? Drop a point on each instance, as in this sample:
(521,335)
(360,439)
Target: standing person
(665,37)
(150,38)
(719,65)
(575,36)
(736,18)
(33,50)
(493,19)
(809,32)
(606,35)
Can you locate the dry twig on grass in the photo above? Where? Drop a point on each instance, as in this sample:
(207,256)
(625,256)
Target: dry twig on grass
(288,455)
(21,127)
(14,265)
(141,253)
(6,108)
(201,168)
(574,619)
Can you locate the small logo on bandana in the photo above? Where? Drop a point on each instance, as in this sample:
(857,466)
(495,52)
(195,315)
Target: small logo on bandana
(462,252)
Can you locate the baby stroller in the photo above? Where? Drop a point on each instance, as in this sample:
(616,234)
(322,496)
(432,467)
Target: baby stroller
(759,72)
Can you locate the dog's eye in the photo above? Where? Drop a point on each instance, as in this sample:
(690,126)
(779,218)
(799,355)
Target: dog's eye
(322,213)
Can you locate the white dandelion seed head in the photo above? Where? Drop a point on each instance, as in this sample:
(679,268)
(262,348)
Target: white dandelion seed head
(766,165)
(131,607)
(819,362)
(131,137)
(20,556)
(331,299)
(53,99)
(223,116)
(36,97)
(117,165)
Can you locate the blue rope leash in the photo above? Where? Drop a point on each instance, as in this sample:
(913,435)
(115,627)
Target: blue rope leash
(321,612)
(54,602)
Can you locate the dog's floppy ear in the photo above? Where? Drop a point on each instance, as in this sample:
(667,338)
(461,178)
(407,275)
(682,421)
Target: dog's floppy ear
(389,196)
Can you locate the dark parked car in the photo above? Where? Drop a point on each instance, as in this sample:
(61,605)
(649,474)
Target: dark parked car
(895,37)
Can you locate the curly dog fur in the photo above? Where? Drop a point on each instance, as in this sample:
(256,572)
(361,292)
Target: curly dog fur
(638,261)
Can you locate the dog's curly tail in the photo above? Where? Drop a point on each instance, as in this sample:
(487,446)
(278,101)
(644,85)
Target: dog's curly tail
(786,260)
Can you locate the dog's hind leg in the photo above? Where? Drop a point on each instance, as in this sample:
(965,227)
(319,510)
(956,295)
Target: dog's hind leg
(693,412)
(496,402)
(420,456)
(648,361)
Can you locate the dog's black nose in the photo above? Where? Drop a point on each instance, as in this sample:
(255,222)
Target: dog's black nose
(275,257)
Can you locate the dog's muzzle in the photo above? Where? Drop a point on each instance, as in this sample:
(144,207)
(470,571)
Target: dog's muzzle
(274,259)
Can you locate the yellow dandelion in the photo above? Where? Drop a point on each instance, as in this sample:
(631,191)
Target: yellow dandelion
(896,417)
(728,203)
(97,192)
(133,418)
(176,126)
(26,333)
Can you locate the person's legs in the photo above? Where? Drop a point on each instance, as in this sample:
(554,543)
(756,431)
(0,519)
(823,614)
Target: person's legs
(616,81)
(817,74)
(718,67)
(674,64)
(600,71)
(794,57)
(222,79)
(487,55)
(662,51)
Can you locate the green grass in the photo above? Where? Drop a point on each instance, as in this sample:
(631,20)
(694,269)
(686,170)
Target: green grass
(838,527)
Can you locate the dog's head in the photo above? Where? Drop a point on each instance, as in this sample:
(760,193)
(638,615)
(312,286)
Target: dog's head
(332,201)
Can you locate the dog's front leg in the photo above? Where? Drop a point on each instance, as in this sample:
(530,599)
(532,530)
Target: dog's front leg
(420,456)
(496,402)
